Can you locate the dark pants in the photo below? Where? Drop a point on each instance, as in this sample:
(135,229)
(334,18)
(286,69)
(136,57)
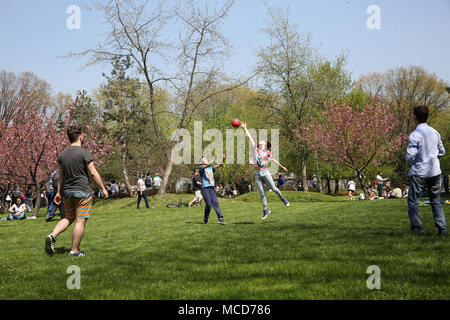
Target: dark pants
(50,204)
(144,195)
(60,207)
(416,186)
(210,197)
(380,189)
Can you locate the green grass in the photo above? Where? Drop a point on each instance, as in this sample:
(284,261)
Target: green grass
(318,248)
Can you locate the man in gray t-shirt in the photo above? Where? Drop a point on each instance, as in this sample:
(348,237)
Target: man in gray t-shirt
(75,165)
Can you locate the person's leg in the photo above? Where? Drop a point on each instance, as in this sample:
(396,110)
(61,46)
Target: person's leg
(23,215)
(83,212)
(215,203)
(139,199)
(146,199)
(63,224)
(77,233)
(380,190)
(416,185)
(434,187)
(205,192)
(50,204)
(260,187)
(269,181)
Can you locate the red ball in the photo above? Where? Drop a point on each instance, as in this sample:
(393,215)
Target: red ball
(235,122)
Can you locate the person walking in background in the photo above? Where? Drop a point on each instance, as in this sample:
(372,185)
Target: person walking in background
(75,165)
(197,188)
(28,197)
(423,152)
(142,193)
(351,187)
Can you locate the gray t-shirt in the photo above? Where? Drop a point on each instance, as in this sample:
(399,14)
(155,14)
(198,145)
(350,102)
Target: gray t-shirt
(74,162)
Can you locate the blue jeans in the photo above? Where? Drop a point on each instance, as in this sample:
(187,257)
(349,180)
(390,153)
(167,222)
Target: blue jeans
(210,197)
(267,179)
(21,216)
(50,204)
(416,186)
(380,189)
(144,195)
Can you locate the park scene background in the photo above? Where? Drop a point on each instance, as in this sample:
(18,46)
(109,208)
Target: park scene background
(157,67)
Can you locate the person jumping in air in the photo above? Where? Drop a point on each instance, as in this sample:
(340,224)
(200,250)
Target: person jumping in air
(209,194)
(261,158)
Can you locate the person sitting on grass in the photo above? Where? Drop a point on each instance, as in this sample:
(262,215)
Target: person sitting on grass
(18,211)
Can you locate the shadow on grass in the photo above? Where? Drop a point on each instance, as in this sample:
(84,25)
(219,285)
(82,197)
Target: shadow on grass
(243,223)
(190,222)
(61,250)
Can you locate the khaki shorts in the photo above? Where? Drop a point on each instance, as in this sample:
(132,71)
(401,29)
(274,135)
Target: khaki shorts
(198,195)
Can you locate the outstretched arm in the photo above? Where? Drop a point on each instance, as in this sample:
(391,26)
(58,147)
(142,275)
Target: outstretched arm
(219,165)
(284,168)
(244,125)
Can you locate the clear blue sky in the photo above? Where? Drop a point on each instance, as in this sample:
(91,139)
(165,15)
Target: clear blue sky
(413,32)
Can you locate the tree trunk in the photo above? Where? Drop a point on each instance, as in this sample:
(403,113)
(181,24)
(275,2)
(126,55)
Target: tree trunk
(329,185)
(125,173)
(336,186)
(304,176)
(167,173)
(38,201)
(361,182)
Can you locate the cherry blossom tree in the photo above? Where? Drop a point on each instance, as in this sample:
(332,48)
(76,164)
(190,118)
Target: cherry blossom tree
(30,146)
(353,137)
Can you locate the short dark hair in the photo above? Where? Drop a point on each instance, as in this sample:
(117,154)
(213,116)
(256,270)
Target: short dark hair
(421,113)
(73,133)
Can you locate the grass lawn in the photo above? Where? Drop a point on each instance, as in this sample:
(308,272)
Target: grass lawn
(318,248)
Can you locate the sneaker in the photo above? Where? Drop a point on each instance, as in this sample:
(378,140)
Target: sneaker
(221,221)
(77,254)
(205,221)
(286,203)
(266,213)
(31,218)
(50,241)
(48,219)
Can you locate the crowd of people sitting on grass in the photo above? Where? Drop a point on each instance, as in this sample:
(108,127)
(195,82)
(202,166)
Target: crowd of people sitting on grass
(19,202)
